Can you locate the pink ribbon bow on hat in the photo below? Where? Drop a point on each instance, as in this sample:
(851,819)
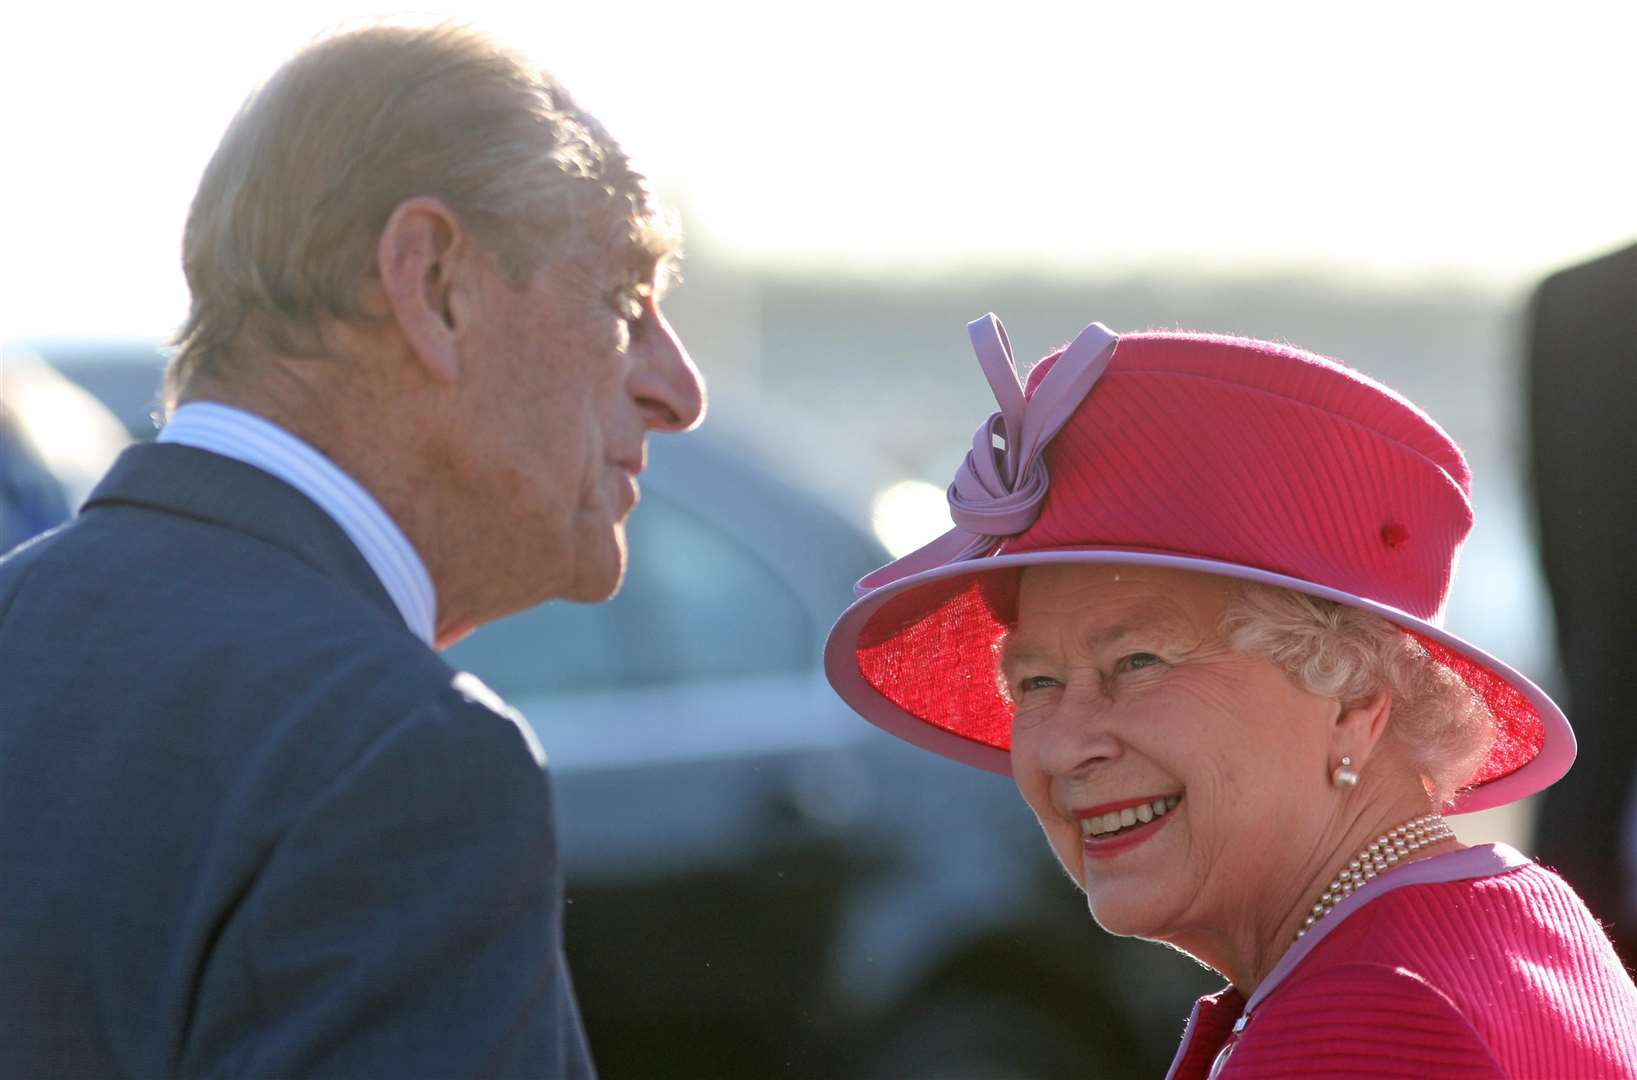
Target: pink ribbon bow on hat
(998,490)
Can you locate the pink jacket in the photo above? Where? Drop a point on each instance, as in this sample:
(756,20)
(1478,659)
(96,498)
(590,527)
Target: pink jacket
(1478,963)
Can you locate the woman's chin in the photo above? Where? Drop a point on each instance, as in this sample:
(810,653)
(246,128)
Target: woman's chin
(1125,911)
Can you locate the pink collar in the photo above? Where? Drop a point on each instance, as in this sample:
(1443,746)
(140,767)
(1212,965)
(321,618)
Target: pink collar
(1484,860)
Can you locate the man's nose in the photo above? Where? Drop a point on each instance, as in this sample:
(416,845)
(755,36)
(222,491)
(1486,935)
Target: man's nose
(667,386)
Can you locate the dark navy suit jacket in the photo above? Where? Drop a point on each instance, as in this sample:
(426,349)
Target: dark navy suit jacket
(1582,381)
(249,824)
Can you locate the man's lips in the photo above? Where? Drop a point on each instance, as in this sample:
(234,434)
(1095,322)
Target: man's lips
(630,490)
(634,459)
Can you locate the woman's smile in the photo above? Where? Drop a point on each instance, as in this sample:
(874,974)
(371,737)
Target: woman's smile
(1113,832)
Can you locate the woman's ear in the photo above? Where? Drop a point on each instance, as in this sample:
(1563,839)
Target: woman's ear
(420,255)
(1360,725)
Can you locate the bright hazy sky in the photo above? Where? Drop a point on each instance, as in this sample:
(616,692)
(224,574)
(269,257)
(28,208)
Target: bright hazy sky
(1489,139)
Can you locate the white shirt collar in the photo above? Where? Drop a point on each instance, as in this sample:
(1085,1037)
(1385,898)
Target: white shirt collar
(243,436)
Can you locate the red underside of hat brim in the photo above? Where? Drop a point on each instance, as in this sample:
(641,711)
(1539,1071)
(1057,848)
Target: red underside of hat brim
(917,659)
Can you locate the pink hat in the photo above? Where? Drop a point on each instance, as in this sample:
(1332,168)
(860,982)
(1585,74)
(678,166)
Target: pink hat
(1214,454)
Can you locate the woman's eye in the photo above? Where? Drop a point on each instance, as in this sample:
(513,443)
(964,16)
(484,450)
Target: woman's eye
(1139,660)
(1035,682)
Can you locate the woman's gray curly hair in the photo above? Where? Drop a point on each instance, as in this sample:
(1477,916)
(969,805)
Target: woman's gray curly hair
(1342,652)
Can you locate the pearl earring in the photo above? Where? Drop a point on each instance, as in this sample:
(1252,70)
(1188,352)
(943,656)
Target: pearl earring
(1345,775)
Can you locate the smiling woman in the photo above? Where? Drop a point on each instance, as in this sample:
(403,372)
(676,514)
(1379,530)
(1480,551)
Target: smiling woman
(1211,573)
(1174,705)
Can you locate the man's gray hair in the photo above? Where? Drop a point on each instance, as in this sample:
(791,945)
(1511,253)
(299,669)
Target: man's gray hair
(284,228)
(1343,652)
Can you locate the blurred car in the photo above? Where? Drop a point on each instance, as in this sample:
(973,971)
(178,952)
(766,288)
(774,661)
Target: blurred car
(758,882)
(31,499)
(55,440)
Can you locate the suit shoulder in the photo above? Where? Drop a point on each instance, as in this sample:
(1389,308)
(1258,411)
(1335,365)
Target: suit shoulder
(476,693)
(369,680)
(21,561)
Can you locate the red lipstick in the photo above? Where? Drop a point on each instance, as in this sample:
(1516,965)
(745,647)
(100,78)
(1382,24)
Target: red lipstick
(1112,807)
(1109,845)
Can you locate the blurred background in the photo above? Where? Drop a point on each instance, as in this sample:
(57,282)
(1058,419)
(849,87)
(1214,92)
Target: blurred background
(792,894)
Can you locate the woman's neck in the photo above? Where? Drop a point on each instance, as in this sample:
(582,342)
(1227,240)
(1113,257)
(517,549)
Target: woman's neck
(1245,954)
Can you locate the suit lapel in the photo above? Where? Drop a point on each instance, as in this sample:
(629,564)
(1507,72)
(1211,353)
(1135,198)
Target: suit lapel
(208,487)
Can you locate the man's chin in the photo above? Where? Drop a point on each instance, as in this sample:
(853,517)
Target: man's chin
(601,581)
(597,594)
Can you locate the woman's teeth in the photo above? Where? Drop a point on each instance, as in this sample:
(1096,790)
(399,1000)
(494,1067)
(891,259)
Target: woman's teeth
(1115,820)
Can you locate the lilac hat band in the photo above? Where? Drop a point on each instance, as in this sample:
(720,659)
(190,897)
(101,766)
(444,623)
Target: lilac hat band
(998,489)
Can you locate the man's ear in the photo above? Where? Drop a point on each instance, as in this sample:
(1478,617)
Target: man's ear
(421,250)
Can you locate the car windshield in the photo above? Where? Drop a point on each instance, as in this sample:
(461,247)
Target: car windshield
(698,603)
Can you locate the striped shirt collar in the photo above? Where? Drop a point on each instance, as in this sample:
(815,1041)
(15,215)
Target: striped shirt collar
(242,436)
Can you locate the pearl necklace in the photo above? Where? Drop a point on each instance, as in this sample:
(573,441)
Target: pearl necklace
(1379,856)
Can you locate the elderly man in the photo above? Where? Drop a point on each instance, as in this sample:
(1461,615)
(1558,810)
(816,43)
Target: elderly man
(250,823)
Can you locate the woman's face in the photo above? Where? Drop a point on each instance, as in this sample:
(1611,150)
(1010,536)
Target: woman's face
(1183,785)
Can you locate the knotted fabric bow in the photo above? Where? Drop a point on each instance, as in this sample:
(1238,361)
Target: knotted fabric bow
(998,490)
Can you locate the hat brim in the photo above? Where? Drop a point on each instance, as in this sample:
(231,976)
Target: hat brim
(1549,762)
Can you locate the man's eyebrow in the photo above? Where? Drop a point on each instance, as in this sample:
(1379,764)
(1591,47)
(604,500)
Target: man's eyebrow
(648,273)
(652,254)
(666,274)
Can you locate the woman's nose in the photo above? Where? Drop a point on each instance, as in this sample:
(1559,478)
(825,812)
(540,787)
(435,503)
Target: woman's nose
(1077,734)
